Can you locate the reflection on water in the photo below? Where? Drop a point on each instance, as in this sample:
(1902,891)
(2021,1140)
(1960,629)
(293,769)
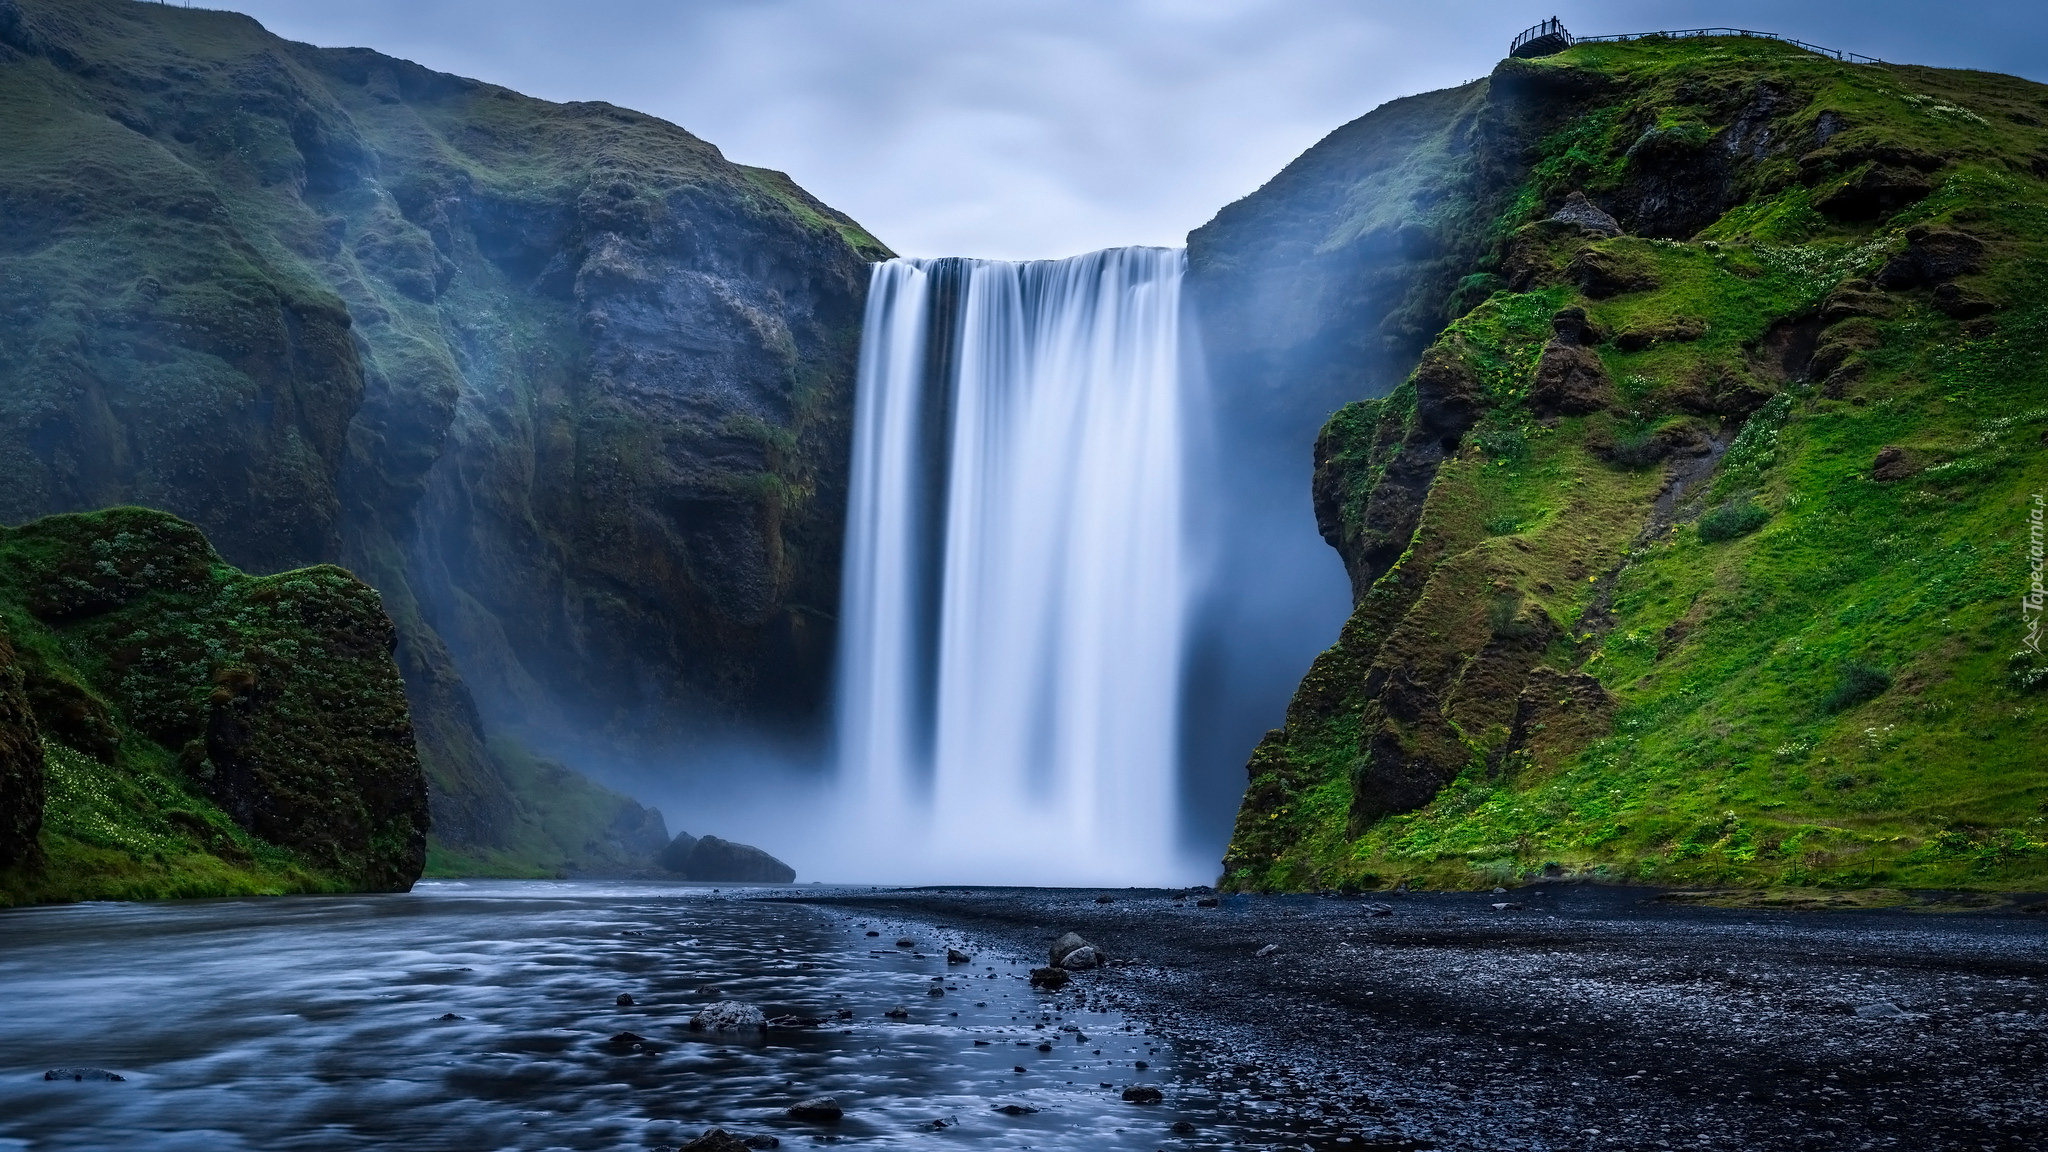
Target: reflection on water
(326,1023)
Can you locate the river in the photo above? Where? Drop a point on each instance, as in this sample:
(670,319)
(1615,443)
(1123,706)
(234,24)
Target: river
(481,1015)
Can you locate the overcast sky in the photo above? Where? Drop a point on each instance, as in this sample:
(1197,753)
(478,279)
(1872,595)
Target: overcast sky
(1032,128)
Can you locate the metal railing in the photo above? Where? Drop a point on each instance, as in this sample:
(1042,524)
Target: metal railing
(1548,29)
(1690,33)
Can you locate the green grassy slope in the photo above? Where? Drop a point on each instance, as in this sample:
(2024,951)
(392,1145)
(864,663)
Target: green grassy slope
(204,732)
(1742,605)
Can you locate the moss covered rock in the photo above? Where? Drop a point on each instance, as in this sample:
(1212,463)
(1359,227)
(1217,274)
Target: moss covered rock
(256,734)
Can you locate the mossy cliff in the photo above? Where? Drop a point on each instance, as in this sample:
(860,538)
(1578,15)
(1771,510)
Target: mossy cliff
(566,386)
(170,726)
(1691,546)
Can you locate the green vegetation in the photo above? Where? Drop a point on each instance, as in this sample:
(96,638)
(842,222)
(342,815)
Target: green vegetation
(1607,649)
(203,731)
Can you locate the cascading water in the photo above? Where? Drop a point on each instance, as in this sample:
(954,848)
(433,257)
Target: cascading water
(1015,592)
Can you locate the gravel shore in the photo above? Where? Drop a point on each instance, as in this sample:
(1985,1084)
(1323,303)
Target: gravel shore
(1567,1017)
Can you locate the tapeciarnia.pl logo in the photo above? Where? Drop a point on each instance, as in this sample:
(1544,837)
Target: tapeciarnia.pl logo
(2032,603)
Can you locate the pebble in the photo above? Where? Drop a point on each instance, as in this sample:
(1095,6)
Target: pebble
(1268,950)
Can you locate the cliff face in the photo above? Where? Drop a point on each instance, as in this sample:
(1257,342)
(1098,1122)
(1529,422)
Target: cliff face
(567,387)
(1692,547)
(185,729)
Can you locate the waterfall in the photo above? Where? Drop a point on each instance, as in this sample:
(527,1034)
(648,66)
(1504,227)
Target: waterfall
(1014,600)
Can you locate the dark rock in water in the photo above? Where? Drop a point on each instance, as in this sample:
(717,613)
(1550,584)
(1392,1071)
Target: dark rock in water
(1015,1109)
(712,859)
(728,1016)
(898,1013)
(676,857)
(716,1140)
(935,990)
(1082,959)
(626,1038)
(1051,979)
(823,1108)
(905,942)
(625,1000)
(82,1074)
(1140,1065)
(762,1140)
(1183,1128)
(845,1014)
(794,1021)
(955,956)
(447,1017)
(1143,1094)
(21,764)
(1045,1045)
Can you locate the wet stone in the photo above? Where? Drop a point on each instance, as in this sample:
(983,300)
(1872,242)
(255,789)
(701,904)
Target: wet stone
(817,1108)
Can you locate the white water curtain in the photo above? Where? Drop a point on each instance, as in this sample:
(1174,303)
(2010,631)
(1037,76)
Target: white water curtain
(1015,591)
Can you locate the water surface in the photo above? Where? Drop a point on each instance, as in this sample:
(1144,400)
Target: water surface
(324,1022)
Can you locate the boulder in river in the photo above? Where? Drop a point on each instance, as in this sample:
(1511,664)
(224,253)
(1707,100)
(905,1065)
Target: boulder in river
(1071,943)
(82,1074)
(956,956)
(716,1140)
(728,1016)
(1015,1109)
(1050,979)
(1082,959)
(1143,1094)
(823,1108)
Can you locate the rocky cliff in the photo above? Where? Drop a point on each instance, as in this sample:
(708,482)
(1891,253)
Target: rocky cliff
(1690,543)
(566,386)
(170,726)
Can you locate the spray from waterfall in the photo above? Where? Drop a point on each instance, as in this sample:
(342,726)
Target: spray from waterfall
(1016,581)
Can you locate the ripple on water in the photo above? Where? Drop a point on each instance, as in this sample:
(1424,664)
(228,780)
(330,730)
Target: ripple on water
(307,1022)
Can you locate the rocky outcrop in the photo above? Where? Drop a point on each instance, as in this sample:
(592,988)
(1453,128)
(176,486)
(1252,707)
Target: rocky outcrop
(712,860)
(267,704)
(566,386)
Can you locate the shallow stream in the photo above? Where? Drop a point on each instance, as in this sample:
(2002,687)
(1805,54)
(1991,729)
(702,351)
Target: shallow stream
(482,1016)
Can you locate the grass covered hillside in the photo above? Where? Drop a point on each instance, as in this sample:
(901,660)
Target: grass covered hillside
(1693,549)
(569,388)
(175,727)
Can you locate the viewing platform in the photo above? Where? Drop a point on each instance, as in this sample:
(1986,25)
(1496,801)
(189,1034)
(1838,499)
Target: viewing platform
(1551,37)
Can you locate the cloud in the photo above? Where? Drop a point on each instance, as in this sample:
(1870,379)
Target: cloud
(1031,128)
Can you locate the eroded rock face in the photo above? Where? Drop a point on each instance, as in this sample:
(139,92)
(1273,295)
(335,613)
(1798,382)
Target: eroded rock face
(564,384)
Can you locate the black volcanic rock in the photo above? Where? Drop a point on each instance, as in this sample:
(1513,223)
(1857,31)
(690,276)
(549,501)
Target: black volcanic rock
(712,859)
